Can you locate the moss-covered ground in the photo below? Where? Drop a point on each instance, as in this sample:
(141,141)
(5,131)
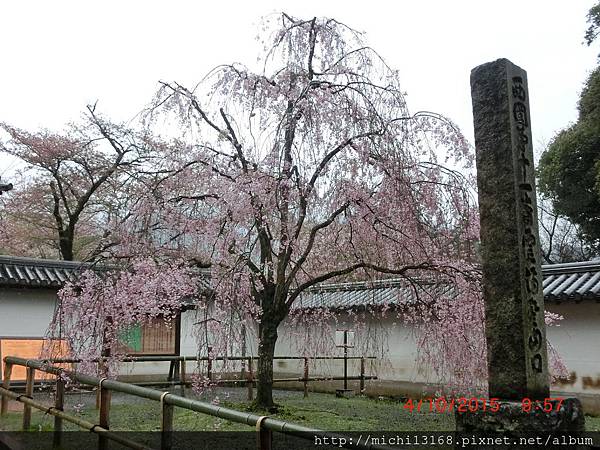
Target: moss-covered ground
(322,411)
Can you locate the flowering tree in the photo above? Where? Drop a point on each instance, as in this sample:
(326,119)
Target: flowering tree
(76,186)
(450,338)
(101,306)
(309,171)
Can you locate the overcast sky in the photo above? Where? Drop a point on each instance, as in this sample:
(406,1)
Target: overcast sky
(57,56)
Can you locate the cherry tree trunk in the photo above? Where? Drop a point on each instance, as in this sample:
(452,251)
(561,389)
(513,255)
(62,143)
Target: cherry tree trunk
(266,350)
(65,244)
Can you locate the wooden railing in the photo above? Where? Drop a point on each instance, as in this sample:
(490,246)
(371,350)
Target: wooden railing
(178,371)
(264,426)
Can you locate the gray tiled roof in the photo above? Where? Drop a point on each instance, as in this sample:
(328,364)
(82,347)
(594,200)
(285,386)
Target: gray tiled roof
(50,273)
(370,294)
(572,281)
(562,282)
(33,272)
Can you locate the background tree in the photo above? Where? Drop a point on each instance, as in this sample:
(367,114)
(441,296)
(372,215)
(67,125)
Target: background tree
(560,239)
(593,18)
(74,186)
(569,170)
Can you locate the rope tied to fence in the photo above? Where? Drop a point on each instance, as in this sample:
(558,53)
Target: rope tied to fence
(259,422)
(162,399)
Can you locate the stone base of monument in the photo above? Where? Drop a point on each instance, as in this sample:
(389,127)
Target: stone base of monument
(522,419)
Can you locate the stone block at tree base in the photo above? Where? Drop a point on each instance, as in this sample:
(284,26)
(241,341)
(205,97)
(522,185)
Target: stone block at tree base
(512,420)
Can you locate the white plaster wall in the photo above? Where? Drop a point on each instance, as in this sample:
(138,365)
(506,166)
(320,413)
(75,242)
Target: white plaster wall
(26,312)
(188,342)
(390,340)
(577,339)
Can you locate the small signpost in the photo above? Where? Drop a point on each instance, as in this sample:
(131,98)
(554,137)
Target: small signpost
(345,340)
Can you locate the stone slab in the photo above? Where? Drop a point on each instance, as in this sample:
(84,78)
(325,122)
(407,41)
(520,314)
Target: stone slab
(512,419)
(512,276)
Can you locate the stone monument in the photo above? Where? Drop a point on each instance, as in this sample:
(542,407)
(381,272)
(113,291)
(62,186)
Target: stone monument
(512,277)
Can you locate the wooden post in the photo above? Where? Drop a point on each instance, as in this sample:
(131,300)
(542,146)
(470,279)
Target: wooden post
(102,374)
(250,381)
(182,375)
(28,393)
(58,404)
(104,416)
(362,374)
(345,360)
(264,436)
(176,373)
(170,376)
(102,362)
(6,385)
(243,369)
(305,377)
(209,365)
(166,427)
(178,341)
